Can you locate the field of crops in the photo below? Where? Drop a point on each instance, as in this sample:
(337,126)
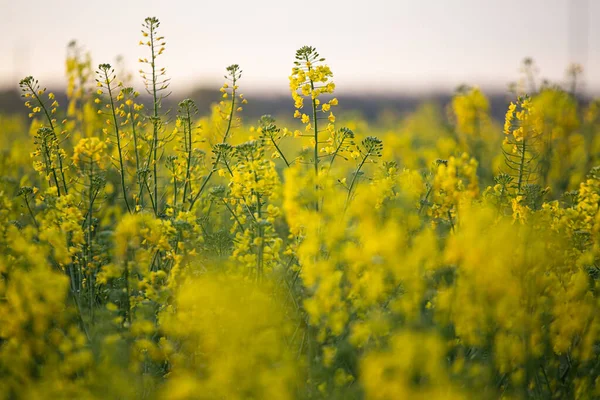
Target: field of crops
(150,253)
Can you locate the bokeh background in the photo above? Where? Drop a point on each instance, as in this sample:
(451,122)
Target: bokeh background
(384,54)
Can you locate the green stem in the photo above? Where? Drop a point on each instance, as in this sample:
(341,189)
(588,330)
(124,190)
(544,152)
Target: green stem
(174,188)
(521,166)
(422,206)
(280,152)
(118,135)
(225,136)
(89,234)
(137,159)
(150,195)
(354,178)
(154,123)
(188,144)
(335,153)
(48,162)
(58,155)
(127,293)
(316,138)
(240,226)
(261,247)
(145,180)
(31,212)
(450,220)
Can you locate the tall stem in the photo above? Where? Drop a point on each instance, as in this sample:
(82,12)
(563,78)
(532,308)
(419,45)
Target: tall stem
(49,166)
(521,167)
(188,144)
(154,123)
(127,293)
(225,136)
(118,135)
(58,155)
(137,159)
(354,178)
(316,138)
(31,212)
(262,239)
(89,240)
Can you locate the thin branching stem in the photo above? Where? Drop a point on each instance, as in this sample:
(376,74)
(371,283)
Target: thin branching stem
(118,136)
(54,137)
(225,137)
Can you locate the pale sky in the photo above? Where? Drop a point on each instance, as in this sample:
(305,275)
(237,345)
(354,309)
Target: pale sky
(375,45)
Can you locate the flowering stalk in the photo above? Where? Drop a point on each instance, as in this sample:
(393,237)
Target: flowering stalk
(172,167)
(371,147)
(270,133)
(156,84)
(521,136)
(79,73)
(26,192)
(342,140)
(88,156)
(46,139)
(234,74)
(32,90)
(131,113)
(306,73)
(187,108)
(107,77)
(254,182)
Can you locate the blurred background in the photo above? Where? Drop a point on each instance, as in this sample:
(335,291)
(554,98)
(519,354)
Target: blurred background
(384,54)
